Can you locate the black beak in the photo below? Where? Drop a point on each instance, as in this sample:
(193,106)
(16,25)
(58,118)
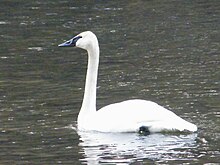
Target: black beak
(71,42)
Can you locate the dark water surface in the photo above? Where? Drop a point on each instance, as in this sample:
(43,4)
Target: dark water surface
(164,51)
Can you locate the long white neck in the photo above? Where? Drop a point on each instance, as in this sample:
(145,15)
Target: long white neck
(89,99)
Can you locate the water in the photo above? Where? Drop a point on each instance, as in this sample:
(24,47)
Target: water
(164,51)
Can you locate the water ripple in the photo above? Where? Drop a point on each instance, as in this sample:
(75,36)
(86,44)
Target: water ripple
(129,147)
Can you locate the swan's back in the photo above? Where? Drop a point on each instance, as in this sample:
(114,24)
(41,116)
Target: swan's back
(129,116)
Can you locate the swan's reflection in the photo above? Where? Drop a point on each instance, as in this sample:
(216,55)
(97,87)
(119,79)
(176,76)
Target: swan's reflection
(130,147)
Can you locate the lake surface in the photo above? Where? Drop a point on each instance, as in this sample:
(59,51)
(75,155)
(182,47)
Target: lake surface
(164,51)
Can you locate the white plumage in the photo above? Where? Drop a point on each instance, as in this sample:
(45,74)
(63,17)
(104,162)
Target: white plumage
(126,116)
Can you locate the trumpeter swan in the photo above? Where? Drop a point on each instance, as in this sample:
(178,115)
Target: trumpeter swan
(127,116)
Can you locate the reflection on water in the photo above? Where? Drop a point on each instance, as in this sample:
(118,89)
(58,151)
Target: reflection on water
(164,51)
(130,147)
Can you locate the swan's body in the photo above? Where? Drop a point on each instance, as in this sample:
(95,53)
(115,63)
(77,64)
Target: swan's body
(126,116)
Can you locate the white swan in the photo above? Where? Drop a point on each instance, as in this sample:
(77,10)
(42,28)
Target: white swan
(127,116)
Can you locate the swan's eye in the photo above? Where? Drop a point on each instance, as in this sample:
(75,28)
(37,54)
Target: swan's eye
(75,39)
(71,42)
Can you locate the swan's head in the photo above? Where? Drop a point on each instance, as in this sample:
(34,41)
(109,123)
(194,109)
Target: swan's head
(85,40)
